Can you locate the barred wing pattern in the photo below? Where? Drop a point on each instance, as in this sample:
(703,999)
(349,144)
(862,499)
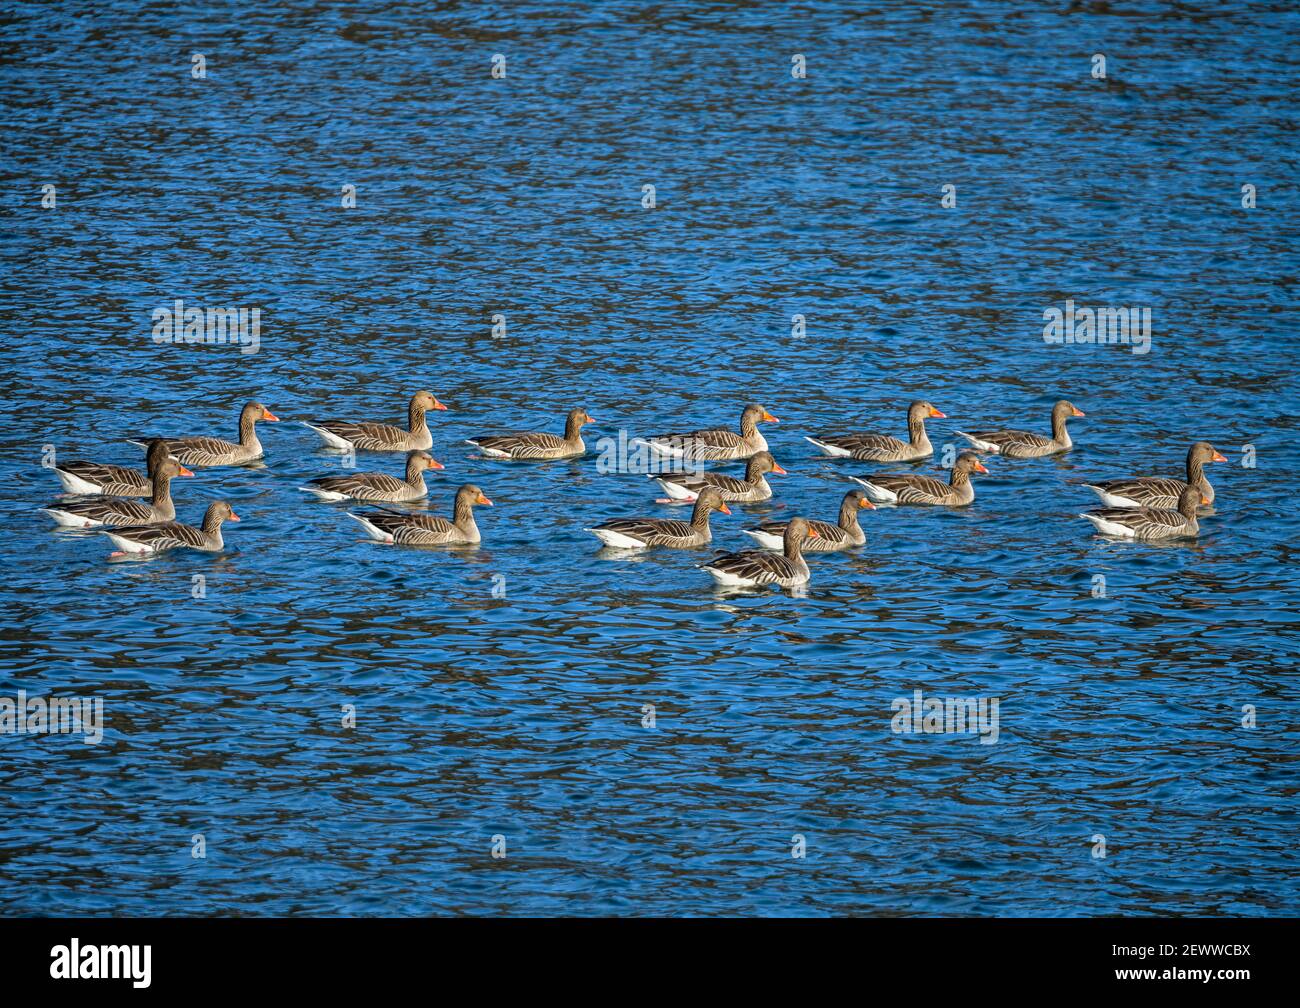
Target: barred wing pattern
(718,445)
(203,451)
(760,568)
(112,480)
(728,486)
(414,529)
(1146,491)
(112,512)
(1013,443)
(529,445)
(1146,522)
(913,489)
(369,486)
(871,447)
(651,531)
(829,537)
(369,436)
(165,536)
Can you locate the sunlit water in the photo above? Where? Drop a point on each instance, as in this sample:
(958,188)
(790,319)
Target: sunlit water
(502,691)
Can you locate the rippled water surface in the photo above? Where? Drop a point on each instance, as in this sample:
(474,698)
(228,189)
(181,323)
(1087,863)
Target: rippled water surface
(519,712)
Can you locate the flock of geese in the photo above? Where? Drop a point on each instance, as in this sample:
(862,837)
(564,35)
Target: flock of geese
(1146,507)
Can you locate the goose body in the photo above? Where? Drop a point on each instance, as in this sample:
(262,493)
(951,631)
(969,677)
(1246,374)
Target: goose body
(716,444)
(643,533)
(830,538)
(915,488)
(113,511)
(212,451)
(537,445)
(883,447)
(687,486)
(426,529)
(173,535)
(1149,522)
(371,436)
(1024,444)
(1161,491)
(102,479)
(753,568)
(375,486)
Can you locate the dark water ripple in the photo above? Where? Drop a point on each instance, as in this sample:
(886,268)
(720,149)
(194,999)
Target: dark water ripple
(521,715)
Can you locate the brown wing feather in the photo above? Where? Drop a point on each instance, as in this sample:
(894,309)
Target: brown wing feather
(762,568)
(201,450)
(113,480)
(651,531)
(1151,491)
(362,484)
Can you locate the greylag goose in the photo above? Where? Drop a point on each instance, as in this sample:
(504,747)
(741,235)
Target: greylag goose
(830,537)
(716,444)
(102,479)
(537,445)
(642,533)
(369,436)
(374,486)
(687,486)
(882,447)
(211,451)
(1161,491)
(761,567)
(169,535)
(1149,522)
(119,511)
(425,529)
(915,488)
(1023,444)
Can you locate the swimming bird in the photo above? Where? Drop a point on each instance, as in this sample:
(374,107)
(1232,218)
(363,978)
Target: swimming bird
(375,486)
(1161,491)
(642,533)
(761,567)
(914,488)
(534,445)
(371,436)
(409,529)
(100,478)
(170,535)
(830,538)
(211,451)
(120,511)
(687,486)
(716,444)
(1023,444)
(882,447)
(1149,522)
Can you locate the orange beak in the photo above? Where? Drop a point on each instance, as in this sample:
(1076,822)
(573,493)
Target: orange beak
(185,472)
(436,404)
(268,415)
(233,516)
(724,509)
(768,418)
(1205,501)
(935,413)
(484,500)
(435,464)
(864,503)
(590,418)
(813,533)
(979,467)
(1218,458)
(777,469)
(1079,412)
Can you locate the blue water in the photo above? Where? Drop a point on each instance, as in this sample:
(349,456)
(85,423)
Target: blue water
(519,715)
